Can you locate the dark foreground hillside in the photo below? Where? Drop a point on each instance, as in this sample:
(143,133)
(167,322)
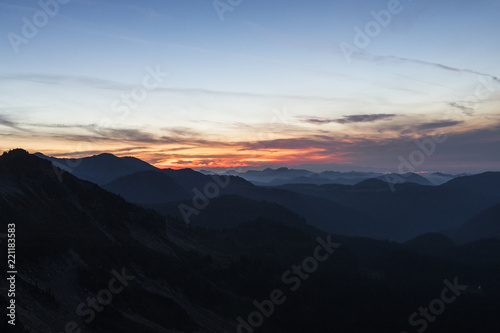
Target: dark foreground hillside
(88,261)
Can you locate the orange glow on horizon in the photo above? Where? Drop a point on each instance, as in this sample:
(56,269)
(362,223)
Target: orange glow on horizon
(235,159)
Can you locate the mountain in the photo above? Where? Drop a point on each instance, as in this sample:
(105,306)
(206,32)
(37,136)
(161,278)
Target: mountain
(348,175)
(100,169)
(486,224)
(438,178)
(371,185)
(486,182)
(478,252)
(348,178)
(282,176)
(370,207)
(268,175)
(76,241)
(73,238)
(297,180)
(409,177)
(147,187)
(149,191)
(321,213)
(318,212)
(187,178)
(409,209)
(430,244)
(89,260)
(229,211)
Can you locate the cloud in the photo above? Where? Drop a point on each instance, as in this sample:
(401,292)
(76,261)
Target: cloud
(364,118)
(42,125)
(465,109)
(184,148)
(377,58)
(182,137)
(64,80)
(320,121)
(131,135)
(4,121)
(438,124)
(94,82)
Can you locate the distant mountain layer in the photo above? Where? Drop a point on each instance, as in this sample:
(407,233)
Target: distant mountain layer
(414,178)
(104,168)
(410,209)
(486,224)
(282,176)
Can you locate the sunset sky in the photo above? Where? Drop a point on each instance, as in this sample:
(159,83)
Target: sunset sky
(321,84)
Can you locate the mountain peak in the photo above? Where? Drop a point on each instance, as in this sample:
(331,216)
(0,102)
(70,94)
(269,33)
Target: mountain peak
(105,155)
(20,164)
(372,183)
(16,153)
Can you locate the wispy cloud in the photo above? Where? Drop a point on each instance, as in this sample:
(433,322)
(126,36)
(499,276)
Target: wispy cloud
(5,121)
(391,58)
(64,80)
(363,118)
(95,82)
(438,124)
(465,109)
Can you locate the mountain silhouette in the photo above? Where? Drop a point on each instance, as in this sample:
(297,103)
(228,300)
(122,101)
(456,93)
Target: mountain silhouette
(100,169)
(410,209)
(486,224)
(147,187)
(73,237)
(405,178)
(371,207)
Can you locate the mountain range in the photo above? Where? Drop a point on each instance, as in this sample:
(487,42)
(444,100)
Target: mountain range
(282,176)
(381,207)
(74,236)
(75,239)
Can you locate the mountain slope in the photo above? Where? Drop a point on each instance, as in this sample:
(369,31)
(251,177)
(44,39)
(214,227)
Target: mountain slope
(230,211)
(147,187)
(410,209)
(486,224)
(490,180)
(71,237)
(100,169)
(409,177)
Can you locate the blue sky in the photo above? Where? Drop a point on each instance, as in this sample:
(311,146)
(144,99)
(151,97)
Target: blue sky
(267,85)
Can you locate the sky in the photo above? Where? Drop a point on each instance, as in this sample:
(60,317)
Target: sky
(331,85)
